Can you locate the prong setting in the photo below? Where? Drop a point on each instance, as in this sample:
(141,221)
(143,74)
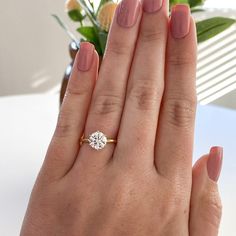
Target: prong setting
(97,140)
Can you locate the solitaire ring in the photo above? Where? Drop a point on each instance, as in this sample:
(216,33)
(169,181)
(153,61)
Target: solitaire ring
(97,140)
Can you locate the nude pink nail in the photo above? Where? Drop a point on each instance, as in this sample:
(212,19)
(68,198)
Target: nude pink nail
(180,21)
(214,163)
(85,57)
(128,11)
(152,5)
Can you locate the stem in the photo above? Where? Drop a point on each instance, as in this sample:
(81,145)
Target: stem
(91,4)
(64,26)
(88,11)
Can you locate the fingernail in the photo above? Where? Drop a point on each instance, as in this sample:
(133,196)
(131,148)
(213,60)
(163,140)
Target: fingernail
(180,21)
(214,163)
(85,57)
(128,11)
(152,5)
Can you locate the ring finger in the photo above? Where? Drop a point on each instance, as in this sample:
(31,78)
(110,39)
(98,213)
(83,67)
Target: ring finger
(109,94)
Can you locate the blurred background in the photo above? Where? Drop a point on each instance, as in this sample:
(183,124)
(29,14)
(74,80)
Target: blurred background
(33,58)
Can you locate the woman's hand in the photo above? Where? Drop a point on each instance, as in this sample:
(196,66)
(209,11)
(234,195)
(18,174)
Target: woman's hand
(144,96)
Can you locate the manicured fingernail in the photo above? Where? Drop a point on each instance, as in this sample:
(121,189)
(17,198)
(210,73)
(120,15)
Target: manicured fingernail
(180,21)
(85,57)
(214,163)
(128,11)
(152,5)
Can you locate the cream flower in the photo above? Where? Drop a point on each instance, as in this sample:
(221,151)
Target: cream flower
(106,14)
(72,5)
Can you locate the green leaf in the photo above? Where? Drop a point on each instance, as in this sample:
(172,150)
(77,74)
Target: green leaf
(209,28)
(194,3)
(88,32)
(76,15)
(193,10)
(102,35)
(91,35)
(173,2)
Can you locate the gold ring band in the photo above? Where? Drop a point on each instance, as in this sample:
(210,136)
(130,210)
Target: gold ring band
(86,140)
(97,140)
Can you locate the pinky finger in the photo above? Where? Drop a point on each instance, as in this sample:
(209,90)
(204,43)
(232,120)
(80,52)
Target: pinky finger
(205,212)
(64,146)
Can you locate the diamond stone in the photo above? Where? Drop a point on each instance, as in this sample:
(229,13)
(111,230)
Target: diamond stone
(97,140)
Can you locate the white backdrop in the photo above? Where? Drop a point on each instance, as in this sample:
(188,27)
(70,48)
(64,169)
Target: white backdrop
(33,48)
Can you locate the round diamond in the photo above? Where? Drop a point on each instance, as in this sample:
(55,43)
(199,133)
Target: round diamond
(97,140)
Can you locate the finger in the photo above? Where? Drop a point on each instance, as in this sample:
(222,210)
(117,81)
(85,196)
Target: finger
(145,88)
(108,98)
(64,146)
(175,132)
(205,212)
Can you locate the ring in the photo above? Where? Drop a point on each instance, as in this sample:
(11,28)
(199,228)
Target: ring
(97,140)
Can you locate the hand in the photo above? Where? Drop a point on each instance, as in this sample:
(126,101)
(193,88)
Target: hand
(145,97)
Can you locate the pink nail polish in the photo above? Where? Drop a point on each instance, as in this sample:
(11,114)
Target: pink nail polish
(85,57)
(214,163)
(152,5)
(180,21)
(128,11)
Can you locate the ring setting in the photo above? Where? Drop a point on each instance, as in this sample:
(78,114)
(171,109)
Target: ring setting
(97,140)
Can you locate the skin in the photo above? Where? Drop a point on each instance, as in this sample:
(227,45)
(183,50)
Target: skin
(145,184)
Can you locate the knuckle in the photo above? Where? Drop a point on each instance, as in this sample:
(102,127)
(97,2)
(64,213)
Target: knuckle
(143,97)
(180,112)
(151,34)
(64,127)
(117,48)
(107,104)
(213,208)
(76,91)
(180,59)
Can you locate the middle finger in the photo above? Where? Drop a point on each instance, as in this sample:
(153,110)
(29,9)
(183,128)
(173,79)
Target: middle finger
(145,88)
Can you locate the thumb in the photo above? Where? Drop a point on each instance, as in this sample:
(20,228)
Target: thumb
(206,209)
